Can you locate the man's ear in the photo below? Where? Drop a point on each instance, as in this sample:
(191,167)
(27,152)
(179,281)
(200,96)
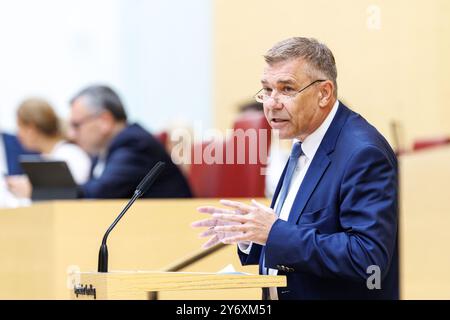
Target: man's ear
(325,93)
(107,120)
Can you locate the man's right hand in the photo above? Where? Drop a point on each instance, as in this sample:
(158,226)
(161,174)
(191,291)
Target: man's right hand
(212,222)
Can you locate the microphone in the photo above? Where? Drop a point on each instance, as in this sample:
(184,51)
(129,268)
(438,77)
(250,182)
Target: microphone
(141,189)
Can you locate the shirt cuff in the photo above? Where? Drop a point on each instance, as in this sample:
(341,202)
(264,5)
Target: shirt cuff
(245,247)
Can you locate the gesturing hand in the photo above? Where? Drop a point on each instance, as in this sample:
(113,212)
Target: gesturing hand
(245,223)
(211,223)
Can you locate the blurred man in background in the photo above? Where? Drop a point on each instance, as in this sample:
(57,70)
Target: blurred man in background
(123,153)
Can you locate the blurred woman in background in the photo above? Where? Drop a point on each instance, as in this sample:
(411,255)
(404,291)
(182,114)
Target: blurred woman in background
(39,130)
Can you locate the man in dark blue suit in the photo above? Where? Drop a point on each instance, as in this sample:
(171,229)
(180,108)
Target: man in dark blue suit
(123,153)
(332,225)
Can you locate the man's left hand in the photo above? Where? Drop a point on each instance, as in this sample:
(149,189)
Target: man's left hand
(251,223)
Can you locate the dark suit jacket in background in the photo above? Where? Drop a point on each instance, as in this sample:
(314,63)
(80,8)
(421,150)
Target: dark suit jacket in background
(131,154)
(343,220)
(13,150)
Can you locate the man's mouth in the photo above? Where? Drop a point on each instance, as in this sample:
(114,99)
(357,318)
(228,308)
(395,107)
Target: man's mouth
(278,120)
(277,123)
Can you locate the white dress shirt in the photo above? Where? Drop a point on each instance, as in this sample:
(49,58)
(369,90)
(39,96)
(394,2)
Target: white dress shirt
(309,148)
(99,167)
(278,157)
(77,160)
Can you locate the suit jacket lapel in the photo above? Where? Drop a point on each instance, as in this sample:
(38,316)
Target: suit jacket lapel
(315,171)
(319,164)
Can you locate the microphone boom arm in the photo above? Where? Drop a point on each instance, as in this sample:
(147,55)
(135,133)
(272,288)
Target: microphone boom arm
(142,188)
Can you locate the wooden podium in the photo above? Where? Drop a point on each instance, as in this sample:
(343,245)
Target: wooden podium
(140,285)
(45,245)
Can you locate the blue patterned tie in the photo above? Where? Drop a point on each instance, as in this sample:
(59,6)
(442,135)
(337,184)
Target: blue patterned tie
(292,164)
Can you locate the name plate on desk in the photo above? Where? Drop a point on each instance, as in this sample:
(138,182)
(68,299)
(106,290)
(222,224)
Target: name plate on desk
(137,285)
(85,290)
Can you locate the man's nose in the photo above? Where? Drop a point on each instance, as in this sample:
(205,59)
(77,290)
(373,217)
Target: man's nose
(273,103)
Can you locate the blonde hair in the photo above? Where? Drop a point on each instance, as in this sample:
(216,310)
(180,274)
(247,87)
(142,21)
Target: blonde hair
(40,114)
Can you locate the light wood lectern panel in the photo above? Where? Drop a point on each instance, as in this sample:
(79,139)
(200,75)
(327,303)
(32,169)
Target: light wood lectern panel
(138,285)
(42,244)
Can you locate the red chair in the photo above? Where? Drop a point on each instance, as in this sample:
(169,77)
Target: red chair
(162,137)
(430,143)
(204,177)
(243,156)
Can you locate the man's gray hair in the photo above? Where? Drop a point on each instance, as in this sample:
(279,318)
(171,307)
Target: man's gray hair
(100,98)
(317,55)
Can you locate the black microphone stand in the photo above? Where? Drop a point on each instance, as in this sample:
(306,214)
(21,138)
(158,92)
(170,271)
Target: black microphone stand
(141,189)
(103,254)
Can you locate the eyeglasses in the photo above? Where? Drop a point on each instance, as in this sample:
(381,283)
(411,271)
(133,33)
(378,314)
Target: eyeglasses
(265,93)
(76,125)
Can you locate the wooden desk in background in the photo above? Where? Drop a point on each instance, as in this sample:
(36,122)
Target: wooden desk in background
(425,224)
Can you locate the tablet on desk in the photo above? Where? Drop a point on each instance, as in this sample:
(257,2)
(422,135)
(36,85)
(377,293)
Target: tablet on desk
(51,179)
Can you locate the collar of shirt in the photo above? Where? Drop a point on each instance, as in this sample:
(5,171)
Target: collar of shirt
(312,142)
(57,146)
(99,166)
